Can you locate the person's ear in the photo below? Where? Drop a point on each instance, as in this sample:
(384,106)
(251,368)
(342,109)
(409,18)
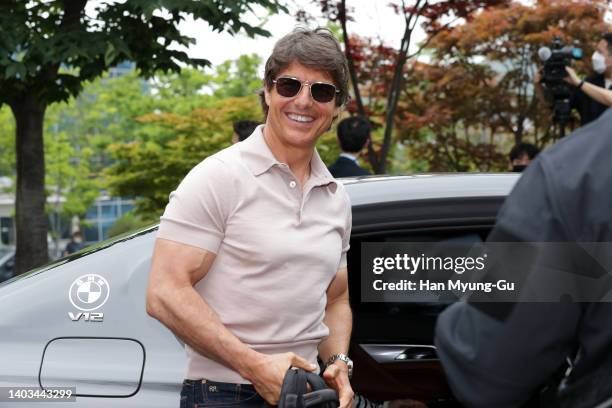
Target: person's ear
(337,111)
(267,95)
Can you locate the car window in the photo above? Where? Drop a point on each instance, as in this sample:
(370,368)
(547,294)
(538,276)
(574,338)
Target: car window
(403,322)
(463,235)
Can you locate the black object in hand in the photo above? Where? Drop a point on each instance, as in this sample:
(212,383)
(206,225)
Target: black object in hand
(294,393)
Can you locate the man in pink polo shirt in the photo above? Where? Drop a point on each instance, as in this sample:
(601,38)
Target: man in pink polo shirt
(249,266)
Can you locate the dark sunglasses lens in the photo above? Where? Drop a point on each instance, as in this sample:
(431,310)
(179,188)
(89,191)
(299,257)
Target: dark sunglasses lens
(288,87)
(323,92)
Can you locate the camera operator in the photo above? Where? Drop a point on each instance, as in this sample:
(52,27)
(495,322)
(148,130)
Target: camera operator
(599,94)
(586,98)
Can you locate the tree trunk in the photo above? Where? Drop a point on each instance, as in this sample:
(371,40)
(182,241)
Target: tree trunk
(31,222)
(372,158)
(393,98)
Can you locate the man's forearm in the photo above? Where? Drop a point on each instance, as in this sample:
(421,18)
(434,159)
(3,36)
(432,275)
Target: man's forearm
(601,95)
(339,320)
(187,315)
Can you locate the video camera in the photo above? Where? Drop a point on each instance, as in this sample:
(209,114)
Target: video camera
(555,59)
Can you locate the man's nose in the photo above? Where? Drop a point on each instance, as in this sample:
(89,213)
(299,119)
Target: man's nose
(304,98)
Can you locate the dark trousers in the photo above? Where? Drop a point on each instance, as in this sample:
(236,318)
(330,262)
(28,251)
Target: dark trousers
(206,393)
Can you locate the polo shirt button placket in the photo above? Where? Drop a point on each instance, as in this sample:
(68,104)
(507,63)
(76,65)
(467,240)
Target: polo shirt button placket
(292,185)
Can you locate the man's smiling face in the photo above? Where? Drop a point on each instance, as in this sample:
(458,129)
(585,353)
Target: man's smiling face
(300,120)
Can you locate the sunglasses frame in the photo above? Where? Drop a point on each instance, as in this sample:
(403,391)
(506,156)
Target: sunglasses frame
(309,84)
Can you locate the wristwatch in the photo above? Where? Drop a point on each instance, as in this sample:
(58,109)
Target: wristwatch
(344,358)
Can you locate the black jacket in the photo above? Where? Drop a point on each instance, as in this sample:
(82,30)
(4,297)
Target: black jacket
(588,108)
(345,167)
(565,195)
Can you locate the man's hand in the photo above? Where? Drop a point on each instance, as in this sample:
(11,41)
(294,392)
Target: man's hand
(336,377)
(572,77)
(268,372)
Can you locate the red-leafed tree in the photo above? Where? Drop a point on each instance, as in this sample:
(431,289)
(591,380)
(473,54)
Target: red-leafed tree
(477,97)
(434,16)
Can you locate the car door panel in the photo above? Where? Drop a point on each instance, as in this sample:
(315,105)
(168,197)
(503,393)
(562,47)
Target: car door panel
(392,343)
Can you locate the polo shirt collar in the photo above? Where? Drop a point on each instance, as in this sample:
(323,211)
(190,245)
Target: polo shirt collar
(256,154)
(259,158)
(319,174)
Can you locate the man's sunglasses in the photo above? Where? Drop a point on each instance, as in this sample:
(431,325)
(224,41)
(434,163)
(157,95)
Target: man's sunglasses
(320,91)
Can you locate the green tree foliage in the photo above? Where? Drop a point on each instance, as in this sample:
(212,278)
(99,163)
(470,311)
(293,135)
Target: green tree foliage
(237,78)
(151,168)
(71,189)
(127,223)
(7,142)
(49,49)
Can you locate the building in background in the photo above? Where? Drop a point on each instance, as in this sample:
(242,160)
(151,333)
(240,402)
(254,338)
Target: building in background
(102,215)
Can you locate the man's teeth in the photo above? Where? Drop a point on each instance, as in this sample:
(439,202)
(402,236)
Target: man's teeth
(300,118)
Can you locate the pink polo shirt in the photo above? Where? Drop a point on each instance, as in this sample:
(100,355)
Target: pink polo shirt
(278,248)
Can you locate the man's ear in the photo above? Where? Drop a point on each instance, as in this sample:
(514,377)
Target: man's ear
(267,95)
(337,111)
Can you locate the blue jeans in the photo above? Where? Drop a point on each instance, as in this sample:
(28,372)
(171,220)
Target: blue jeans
(206,393)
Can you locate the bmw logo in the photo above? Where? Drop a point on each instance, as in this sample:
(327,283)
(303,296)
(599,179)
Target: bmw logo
(89,292)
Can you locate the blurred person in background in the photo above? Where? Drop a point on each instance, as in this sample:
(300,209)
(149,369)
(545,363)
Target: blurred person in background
(353,135)
(75,244)
(521,156)
(243,129)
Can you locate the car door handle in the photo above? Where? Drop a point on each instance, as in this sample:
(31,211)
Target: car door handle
(413,353)
(400,353)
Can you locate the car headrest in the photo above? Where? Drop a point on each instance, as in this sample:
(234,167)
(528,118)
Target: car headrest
(294,393)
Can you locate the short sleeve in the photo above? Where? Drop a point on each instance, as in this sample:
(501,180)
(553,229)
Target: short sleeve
(347,234)
(198,209)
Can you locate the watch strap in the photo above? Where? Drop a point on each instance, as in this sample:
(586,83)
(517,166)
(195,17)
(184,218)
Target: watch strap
(344,358)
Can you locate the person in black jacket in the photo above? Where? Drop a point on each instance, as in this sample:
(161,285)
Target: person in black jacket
(501,354)
(353,134)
